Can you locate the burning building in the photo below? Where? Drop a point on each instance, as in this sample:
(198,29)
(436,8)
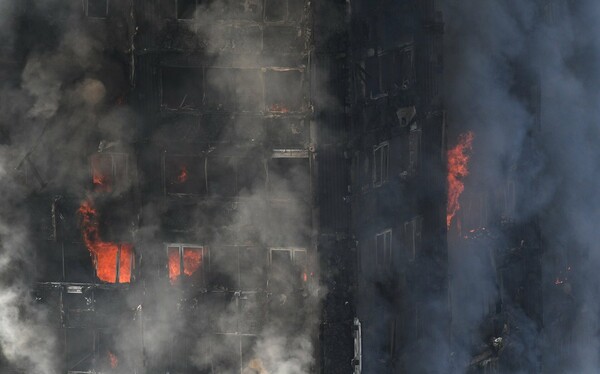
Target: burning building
(265,186)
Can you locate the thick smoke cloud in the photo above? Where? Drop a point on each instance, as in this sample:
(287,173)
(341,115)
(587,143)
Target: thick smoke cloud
(48,111)
(59,109)
(487,42)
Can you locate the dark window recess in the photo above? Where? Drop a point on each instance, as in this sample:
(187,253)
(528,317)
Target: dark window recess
(252,264)
(276,10)
(289,178)
(380,164)
(383,249)
(406,70)
(185,175)
(224,271)
(363,170)
(109,171)
(372,86)
(282,39)
(283,91)
(182,88)
(221,176)
(186,9)
(96,8)
(233,89)
(251,175)
(412,237)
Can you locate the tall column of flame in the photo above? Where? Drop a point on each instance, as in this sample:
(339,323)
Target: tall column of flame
(104,254)
(458,168)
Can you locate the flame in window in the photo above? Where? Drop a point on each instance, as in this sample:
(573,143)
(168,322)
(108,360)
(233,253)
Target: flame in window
(458,168)
(192,260)
(183,174)
(114,360)
(101,171)
(104,254)
(278,108)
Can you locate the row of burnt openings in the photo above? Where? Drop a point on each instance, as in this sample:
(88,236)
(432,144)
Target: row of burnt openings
(94,351)
(201,175)
(233,89)
(224,268)
(254,10)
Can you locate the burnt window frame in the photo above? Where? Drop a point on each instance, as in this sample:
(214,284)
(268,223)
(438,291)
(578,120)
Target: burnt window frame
(203,267)
(379,164)
(292,251)
(385,262)
(86,6)
(115,182)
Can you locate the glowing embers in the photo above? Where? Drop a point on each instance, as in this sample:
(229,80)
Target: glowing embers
(458,162)
(113,360)
(283,90)
(183,259)
(113,261)
(109,170)
(185,175)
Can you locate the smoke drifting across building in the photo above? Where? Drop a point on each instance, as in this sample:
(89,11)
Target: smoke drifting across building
(291,186)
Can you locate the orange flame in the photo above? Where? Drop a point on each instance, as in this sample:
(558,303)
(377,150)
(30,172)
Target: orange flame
(114,360)
(183,175)
(104,254)
(278,108)
(458,162)
(100,177)
(192,259)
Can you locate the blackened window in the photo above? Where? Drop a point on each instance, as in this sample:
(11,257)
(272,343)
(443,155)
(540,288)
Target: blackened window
(221,176)
(383,249)
(276,10)
(380,163)
(234,89)
(96,8)
(373,86)
(283,90)
(186,9)
(182,87)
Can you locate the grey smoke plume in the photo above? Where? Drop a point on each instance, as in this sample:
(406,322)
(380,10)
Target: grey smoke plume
(556,40)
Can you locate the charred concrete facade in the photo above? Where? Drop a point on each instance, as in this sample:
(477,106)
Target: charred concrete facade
(397,146)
